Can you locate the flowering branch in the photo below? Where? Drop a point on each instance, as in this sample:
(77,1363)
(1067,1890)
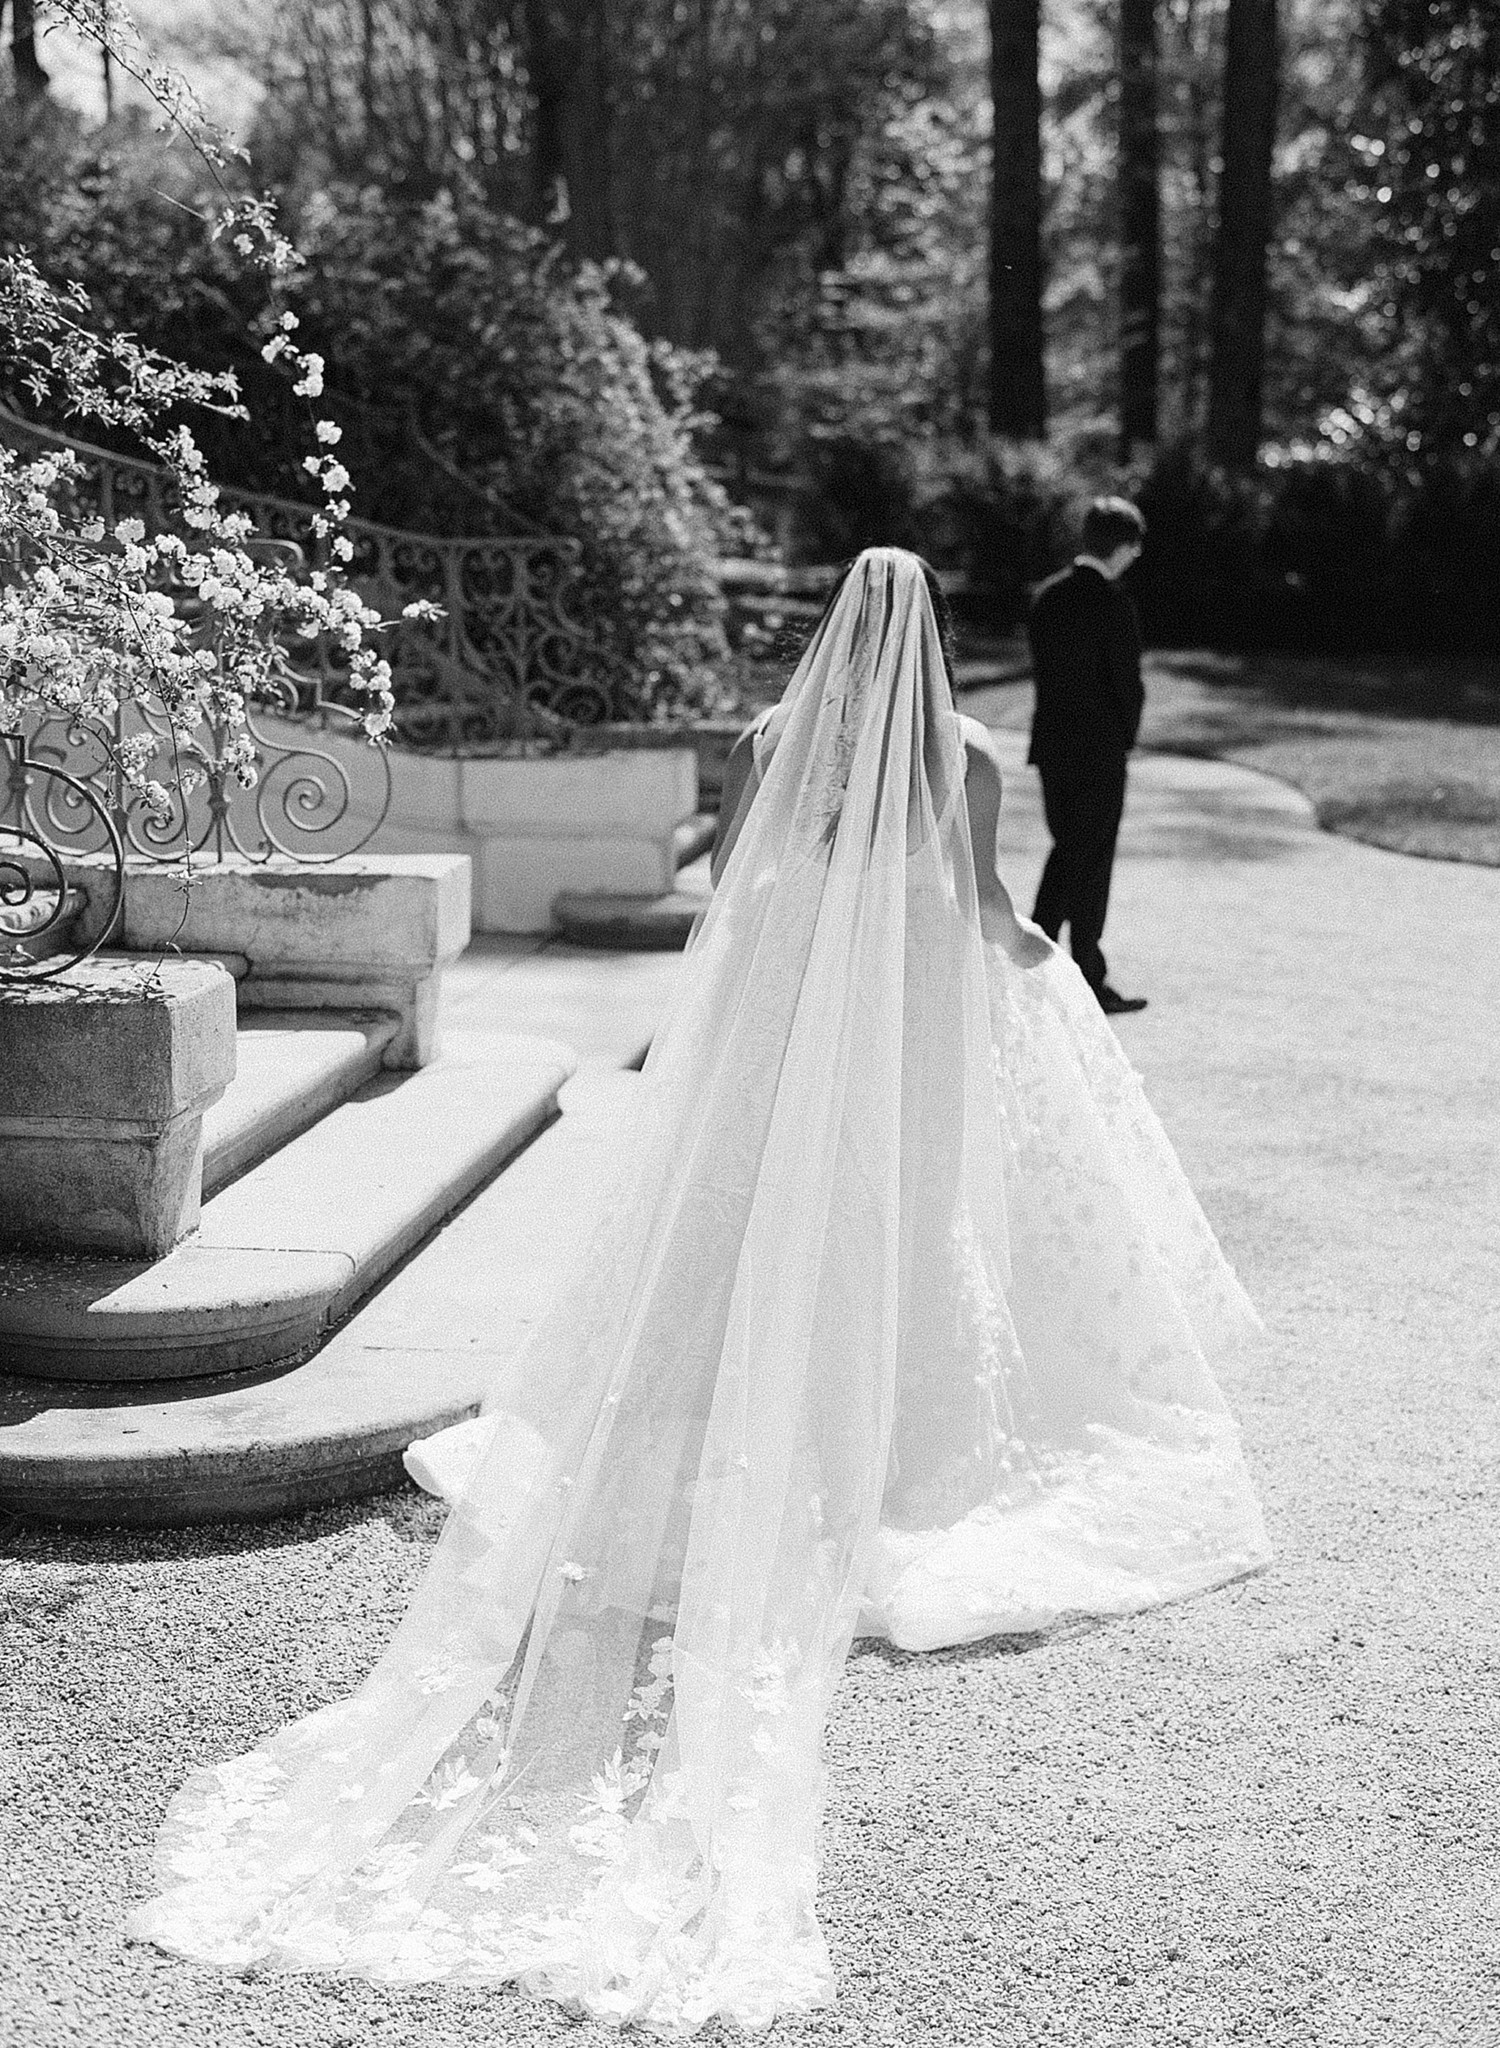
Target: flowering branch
(188,628)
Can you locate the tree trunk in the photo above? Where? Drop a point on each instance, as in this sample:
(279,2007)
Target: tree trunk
(31,79)
(1238,340)
(1018,390)
(568,57)
(1140,226)
(543,63)
(588,119)
(367,70)
(1198,260)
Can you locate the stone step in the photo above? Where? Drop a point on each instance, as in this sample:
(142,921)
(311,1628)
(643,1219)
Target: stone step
(292,1067)
(295,1243)
(637,923)
(607,1006)
(416,1357)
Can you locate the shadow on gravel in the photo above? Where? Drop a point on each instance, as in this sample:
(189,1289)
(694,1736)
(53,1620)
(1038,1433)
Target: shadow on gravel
(1461,690)
(872,1650)
(1211,825)
(50,1543)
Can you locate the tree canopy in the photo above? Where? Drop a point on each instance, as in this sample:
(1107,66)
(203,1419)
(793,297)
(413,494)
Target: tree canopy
(1223,232)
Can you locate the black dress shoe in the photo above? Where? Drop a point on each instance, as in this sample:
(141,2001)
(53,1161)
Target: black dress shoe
(1113,1004)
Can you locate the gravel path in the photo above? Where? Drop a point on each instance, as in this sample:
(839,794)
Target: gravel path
(1265,1817)
(1402,754)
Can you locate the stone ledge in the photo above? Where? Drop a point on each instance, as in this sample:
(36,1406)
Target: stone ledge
(230,1450)
(628,924)
(534,824)
(367,932)
(362,913)
(106,1076)
(162,1048)
(26,933)
(215,1309)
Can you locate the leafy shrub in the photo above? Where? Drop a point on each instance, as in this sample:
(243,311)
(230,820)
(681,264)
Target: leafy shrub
(485,386)
(1323,555)
(1445,546)
(487,366)
(1202,530)
(1005,513)
(1319,554)
(863,494)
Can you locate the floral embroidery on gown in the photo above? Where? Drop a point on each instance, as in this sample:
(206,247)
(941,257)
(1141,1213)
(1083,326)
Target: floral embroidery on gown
(900,1317)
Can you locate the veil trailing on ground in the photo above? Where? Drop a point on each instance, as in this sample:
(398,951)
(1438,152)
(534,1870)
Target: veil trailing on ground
(799,1384)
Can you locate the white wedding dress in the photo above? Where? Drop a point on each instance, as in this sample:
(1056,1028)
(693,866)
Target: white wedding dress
(900,1317)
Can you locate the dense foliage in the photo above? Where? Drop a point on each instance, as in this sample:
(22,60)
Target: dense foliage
(723,148)
(803,191)
(1309,553)
(498,387)
(156,643)
(484,383)
(1431,166)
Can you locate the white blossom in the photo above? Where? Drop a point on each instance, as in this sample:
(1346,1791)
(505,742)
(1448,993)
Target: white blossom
(89,632)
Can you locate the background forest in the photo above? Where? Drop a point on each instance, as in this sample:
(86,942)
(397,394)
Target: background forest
(927,271)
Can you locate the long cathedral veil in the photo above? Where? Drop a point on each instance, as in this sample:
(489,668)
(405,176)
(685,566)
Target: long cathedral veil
(590,1757)
(800,1370)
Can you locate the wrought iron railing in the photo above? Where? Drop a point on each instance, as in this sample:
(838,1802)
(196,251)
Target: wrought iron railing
(506,663)
(503,665)
(304,804)
(63,797)
(44,813)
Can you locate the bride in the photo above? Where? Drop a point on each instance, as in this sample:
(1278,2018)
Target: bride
(900,1319)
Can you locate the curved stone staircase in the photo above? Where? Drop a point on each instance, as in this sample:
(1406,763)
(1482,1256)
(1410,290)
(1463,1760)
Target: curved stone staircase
(372,1245)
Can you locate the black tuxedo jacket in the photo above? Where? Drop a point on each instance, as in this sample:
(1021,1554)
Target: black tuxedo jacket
(1086,662)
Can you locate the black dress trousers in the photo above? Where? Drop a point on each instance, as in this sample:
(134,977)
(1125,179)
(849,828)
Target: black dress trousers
(1083,801)
(1086,663)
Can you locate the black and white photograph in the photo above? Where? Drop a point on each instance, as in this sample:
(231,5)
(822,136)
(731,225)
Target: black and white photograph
(750,1023)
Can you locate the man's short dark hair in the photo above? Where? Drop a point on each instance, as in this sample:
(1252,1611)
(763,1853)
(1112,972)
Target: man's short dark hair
(1112,523)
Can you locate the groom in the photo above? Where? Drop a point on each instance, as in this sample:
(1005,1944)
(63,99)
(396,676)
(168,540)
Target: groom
(1086,663)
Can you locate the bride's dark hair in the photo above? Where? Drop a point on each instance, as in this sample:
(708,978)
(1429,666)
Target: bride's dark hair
(942,610)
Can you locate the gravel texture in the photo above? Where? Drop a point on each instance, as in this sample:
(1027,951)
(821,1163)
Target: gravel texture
(1268,1816)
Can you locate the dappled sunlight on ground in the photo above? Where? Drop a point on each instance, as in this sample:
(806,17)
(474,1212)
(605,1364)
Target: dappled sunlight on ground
(1399,752)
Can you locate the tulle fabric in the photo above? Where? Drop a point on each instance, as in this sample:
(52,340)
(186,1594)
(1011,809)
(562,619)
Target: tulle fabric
(899,1316)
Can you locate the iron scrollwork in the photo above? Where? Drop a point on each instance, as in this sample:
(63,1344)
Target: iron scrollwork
(45,813)
(304,805)
(507,663)
(504,665)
